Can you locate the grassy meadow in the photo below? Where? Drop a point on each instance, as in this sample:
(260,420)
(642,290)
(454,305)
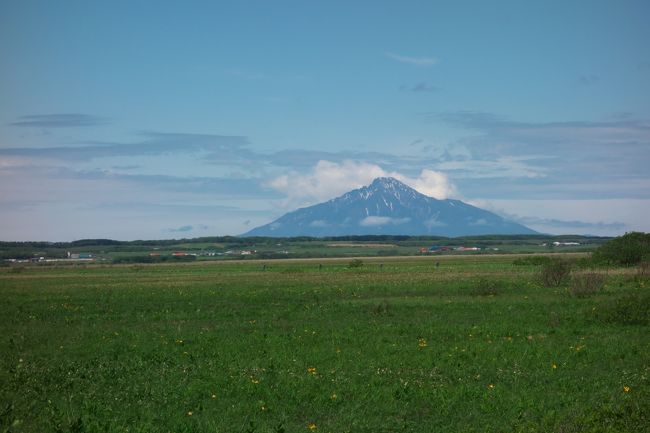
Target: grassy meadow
(476,344)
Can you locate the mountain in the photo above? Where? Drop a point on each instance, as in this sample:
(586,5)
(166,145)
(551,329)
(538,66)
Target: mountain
(389,207)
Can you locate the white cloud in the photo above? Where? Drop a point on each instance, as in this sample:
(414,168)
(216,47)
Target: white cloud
(330,179)
(431,183)
(319,223)
(418,61)
(434,223)
(373,221)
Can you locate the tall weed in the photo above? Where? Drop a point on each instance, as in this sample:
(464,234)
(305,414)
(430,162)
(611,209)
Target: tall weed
(555,272)
(585,284)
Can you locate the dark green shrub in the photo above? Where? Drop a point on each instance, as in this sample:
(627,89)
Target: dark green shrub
(629,249)
(630,310)
(555,272)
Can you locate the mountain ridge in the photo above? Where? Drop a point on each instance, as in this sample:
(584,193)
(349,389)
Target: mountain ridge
(388,206)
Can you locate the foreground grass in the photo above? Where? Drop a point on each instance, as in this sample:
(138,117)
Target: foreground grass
(474,345)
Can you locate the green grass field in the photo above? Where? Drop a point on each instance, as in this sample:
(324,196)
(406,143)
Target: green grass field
(476,345)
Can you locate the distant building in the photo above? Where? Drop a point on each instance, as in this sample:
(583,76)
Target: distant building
(467,248)
(79,256)
(565,244)
(438,249)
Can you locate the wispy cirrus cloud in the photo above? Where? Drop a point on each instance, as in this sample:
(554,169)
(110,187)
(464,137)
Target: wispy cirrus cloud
(47,183)
(62,120)
(154,143)
(558,186)
(189,228)
(626,131)
(588,79)
(571,157)
(421,87)
(417,61)
(182,229)
(502,167)
(197,185)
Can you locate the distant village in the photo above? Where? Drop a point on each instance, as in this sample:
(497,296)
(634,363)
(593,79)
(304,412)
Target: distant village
(191,255)
(208,253)
(442,249)
(71,257)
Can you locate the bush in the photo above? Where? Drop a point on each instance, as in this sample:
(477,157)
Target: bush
(532,260)
(381,309)
(134,259)
(356,263)
(585,284)
(629,249)
(388,253)
(153,259)
(555,272)
(630,310)
(485,287)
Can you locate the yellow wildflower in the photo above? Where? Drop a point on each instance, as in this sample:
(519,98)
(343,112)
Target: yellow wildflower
(422,343)
(626,389)
(334,396)
(189,413)
(311,370)
(554,365)
(491,386)
(311,426)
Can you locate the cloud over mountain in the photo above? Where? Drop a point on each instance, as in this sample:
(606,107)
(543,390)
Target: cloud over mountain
(328,179)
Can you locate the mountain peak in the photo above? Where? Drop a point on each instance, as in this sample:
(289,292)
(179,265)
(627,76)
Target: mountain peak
(388,206)
(387,182)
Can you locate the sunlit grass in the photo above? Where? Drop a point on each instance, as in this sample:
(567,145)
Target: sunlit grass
(475,344)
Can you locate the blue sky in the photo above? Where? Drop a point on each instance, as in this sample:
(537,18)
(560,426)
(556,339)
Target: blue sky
(164,119)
